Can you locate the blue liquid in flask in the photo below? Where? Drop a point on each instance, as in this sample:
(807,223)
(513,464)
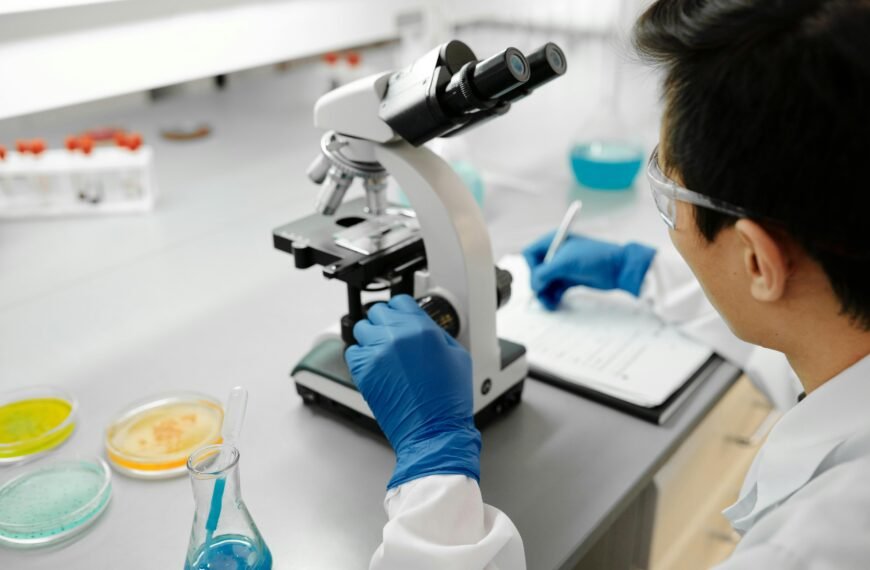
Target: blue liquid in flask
(223,535)
(232,552)
(606,165)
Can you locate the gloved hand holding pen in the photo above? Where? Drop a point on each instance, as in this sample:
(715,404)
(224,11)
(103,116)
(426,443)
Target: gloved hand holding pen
(588,262)
(417,380)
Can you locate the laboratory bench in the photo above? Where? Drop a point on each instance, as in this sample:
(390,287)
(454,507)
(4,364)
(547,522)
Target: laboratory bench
(193,297)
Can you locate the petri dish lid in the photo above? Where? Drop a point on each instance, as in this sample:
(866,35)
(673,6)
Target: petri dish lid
(53,502)
(153,438)
(34,420)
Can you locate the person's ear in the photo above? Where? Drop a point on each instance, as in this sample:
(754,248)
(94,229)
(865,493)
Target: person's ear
(765,260)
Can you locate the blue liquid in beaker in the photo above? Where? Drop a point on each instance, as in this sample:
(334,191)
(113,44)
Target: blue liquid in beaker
(232,552)
(606,165)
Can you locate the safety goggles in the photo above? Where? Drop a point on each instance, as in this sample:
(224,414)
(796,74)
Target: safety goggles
(666,193)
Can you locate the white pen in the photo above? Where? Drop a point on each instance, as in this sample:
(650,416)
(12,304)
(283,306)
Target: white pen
(563,230)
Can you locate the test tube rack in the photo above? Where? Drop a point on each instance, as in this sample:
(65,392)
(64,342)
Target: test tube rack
(62,182)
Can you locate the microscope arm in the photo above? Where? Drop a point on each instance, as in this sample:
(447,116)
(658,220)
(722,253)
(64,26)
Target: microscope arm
(458,248)
(376,127)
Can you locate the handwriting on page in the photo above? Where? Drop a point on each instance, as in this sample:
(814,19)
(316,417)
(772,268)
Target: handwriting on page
(607,341)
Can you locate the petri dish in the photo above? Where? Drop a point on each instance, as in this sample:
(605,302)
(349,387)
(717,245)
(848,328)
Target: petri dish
(153,438)
(33,421)
(51,503)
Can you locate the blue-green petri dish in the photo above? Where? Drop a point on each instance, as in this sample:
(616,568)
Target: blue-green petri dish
(54,502)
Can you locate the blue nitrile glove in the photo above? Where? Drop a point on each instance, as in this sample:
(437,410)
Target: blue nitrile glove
(417,380)
(588,262)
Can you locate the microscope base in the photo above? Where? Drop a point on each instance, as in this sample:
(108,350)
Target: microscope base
(323,380)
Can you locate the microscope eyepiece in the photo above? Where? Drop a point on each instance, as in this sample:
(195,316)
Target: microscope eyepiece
(495,76)
(546,63)
(448,90)
(454,54)
(554,56)
(479,84)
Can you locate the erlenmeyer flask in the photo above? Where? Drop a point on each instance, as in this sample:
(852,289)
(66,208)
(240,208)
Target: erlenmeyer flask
(224,536)
(606,154)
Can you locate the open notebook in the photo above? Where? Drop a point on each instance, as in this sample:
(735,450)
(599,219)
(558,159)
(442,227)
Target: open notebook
(604,342)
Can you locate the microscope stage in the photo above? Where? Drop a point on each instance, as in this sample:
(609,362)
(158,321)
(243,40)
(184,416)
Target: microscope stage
(354,246)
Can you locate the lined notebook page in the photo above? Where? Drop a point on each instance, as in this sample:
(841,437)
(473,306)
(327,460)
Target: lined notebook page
(606,341)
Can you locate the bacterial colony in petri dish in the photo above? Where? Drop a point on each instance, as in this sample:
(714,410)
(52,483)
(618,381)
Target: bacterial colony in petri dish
(53,502)
(153,438)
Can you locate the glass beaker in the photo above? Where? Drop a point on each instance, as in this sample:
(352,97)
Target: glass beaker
(223,536)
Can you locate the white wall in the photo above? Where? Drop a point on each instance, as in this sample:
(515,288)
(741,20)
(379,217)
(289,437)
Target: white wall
(56,53)
(56,57)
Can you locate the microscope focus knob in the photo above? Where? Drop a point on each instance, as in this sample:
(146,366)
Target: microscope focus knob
(503,282)
(442,312)
(445,316)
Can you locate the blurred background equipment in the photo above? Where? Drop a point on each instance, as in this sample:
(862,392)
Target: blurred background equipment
(99,172)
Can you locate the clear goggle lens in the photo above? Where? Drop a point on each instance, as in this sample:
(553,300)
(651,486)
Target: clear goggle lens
(666,205)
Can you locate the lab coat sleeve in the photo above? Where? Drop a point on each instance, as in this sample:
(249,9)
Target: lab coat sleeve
(441,522)
(676,297)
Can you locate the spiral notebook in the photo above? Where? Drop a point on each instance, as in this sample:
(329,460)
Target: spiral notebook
(607,346)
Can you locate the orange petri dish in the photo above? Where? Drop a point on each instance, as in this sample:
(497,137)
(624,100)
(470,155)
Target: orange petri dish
(152,439)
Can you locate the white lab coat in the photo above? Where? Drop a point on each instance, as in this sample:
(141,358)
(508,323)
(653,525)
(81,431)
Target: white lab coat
(805,502)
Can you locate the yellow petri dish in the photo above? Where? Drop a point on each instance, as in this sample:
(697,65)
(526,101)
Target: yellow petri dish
(153,439)
(33,421)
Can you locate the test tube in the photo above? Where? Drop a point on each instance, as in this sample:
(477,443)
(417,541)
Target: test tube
(4,180)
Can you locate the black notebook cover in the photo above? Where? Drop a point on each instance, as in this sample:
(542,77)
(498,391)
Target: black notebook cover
(657,415)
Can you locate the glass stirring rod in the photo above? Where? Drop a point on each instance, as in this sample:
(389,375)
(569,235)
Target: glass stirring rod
(237,404)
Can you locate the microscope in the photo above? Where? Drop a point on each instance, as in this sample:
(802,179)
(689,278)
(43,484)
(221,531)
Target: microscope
(438,250)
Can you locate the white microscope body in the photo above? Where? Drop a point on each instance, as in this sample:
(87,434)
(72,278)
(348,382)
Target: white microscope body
(375,128)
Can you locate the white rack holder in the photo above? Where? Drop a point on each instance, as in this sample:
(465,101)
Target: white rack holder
(109,180)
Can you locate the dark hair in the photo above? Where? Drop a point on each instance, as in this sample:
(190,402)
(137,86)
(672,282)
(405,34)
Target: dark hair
(768,108)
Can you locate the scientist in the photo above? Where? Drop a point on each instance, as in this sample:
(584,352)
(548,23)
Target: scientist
(762,178)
